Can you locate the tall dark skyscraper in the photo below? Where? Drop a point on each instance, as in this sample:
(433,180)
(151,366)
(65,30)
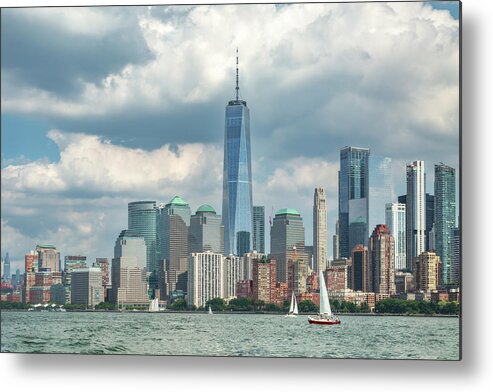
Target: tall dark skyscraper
(237,177)
(259,229)
(430,219)
(353,199)
(444,218)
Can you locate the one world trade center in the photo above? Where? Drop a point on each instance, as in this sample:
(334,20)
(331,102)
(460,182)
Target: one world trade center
(237,177)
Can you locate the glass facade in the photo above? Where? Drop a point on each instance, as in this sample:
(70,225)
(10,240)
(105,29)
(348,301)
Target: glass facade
(430,220)
(175,225)
(395,219)
(206,231)
(415,211)
(237,180)
(287,231)
(131,246)
(381,189)
(353,199)
(142,220)
(444,218)
(259,229)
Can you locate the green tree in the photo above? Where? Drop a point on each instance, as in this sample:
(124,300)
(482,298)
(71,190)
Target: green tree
(105,306)
(364,308)
(240,304)
(307,306)
(12,305)
(216,304)
(259,305)
(75,306)
(335,305)
(178,304)
(272,308)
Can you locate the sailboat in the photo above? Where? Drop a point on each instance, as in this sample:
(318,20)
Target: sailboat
(154,305)
(293,308)
(325,317)
(210,310)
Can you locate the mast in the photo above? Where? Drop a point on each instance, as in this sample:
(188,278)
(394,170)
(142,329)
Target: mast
(237,78)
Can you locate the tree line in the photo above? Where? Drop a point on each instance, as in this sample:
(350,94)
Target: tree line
(389,306)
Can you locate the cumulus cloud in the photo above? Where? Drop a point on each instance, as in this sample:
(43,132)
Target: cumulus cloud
(139,93)
(92,165)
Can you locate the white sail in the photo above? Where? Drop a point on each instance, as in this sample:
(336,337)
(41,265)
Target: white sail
(295,310)
(291,307)
(154,305)
(210,310)
(324,297)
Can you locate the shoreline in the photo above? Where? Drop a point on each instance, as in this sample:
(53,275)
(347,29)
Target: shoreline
(240,313)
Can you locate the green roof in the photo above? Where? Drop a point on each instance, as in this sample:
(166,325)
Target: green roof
(206,208)
(178,201)
(286,211)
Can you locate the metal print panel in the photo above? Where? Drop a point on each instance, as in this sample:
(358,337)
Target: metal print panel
(261,180)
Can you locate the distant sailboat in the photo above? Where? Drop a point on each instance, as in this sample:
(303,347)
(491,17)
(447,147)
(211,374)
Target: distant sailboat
(154,305)
(293,308)
(210,310)
(325,316)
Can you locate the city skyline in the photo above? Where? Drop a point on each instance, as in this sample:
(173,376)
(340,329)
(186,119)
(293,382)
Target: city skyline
(285,169)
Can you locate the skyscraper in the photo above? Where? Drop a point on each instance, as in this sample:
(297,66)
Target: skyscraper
(430,220)
(319,230)
(359,268)
(415,211)
(6,266)
(335,242)
(31,267)
(259,229)
(142,220)
(71,263)
(381,252)
(426,271)
(128,269)
(395,219)
(264,280)
(297,273)
(205,277)
(381,190)
(353,198)
(444,217)
(455,259)
(233,273)
(206,231)
(87,286)
(287,231)
(48,257)
(237,177)
(176,222)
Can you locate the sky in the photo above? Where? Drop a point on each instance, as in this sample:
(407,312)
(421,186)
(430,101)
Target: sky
(102,106)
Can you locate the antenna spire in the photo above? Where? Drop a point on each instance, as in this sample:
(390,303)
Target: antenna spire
(237,82)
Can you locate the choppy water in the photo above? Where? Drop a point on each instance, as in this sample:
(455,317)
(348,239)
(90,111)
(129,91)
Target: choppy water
(392,337)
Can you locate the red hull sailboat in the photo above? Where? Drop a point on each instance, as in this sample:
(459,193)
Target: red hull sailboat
(325,317)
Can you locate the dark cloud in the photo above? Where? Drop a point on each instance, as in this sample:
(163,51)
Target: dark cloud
(41,53)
